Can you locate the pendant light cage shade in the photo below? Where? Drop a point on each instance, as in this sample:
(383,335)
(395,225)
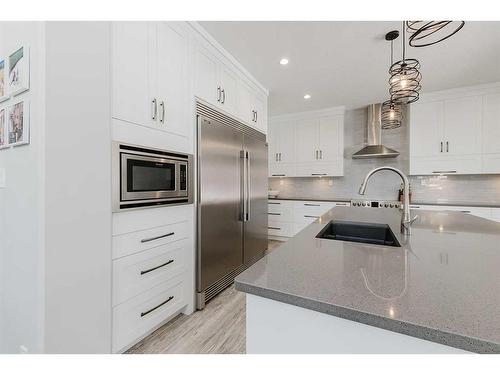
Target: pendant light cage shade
(427,33)
(404,81)
(392,114)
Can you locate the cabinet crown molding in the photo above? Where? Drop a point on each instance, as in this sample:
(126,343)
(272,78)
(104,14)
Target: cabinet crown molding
(460,92)
(207,38)
(325,112)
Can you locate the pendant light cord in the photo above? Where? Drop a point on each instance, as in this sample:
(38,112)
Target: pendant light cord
(403,39)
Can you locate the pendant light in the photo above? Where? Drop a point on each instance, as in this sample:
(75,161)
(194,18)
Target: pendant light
(427,33)
(392,113)
(405,77)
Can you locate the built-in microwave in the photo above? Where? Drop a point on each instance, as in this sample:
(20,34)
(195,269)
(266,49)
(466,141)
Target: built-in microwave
(145,177)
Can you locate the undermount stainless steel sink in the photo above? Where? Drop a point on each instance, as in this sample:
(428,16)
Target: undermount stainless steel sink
(377,234)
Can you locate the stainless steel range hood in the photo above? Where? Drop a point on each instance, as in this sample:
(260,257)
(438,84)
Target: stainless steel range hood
(375,148)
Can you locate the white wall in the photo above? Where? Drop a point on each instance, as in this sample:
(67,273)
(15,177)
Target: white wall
(78,212)
(21,202)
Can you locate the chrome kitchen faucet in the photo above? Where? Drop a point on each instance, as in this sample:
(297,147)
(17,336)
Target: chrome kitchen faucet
(406,220)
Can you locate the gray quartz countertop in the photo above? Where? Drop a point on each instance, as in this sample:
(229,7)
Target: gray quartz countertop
(441,285)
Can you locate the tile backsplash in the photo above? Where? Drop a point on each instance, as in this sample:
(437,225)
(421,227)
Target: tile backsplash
(385,185)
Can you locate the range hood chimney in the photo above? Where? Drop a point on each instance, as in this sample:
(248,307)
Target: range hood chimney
(375,148)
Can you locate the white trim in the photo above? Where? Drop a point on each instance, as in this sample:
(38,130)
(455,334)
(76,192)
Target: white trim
(461,92)
(332,111)
(207,38)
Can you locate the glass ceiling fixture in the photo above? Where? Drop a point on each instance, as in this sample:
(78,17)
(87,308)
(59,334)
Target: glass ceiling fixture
(405,77)
(427,33)
(392,113)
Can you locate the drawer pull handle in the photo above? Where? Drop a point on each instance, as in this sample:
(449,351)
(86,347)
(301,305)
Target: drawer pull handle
(315,217)
(273,203)
(274,228)
(465,212)
(157,237)
(318,174)
(155,268)
(278,175)
(272,213)
(157,307)
(444,172)
(312,205)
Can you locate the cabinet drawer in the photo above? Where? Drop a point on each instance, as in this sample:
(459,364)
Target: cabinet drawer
(134,242)
(139,315)
(280,229)
(280,210)
(140,272)
(310,211)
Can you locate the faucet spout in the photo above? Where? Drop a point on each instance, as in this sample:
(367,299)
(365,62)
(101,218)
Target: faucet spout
(406,219)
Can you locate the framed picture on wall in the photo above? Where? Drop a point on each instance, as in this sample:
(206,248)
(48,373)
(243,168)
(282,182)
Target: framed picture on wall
(18,124)
(3,80)
(19,71)
(3,129)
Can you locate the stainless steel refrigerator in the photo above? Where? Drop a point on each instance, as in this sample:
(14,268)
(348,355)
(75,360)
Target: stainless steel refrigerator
(232,200)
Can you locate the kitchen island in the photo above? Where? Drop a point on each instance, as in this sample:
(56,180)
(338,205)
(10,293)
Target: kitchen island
(439,292)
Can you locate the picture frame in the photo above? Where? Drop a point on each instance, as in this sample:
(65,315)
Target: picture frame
(3,129)
(4,94)
(18,124)
(19,71)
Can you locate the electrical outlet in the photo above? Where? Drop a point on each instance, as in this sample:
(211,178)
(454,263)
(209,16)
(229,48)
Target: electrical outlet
(23,349)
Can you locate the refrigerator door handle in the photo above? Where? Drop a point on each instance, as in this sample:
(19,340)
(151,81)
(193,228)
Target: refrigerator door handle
(247,213)
(243,201)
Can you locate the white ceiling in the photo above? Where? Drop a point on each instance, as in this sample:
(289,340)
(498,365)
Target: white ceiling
(346,63)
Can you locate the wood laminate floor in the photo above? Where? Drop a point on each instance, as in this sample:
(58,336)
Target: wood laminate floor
(217,329)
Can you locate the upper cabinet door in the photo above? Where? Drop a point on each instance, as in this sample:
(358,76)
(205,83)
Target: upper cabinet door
(286,134)
(172,80)
(491,124)
(245,103)
(260,113)
(426,129)
(205,75)
(273,142)
(331,138)
(307,133)
(462,125)
(228,83)
(133,46)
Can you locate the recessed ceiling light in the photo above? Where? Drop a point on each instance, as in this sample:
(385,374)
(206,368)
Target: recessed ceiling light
(283,61)
(307,96)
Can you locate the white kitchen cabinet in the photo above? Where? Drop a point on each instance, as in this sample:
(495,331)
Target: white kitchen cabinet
(205,70)
(252,106)
(307,144)
(456,132)
(462,126)
(491,133)
(150,85)
(172,78)
(133,45)
(319,146)
(216,82)
(426,129)
(281,158)
(288,217)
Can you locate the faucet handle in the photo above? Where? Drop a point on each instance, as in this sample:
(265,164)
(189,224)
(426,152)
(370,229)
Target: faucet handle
(411,221)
